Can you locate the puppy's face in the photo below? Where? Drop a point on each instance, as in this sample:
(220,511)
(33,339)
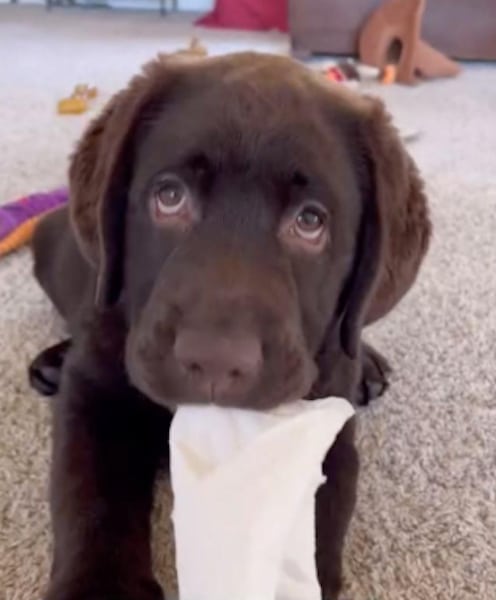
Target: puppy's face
(237,255)
(239,238)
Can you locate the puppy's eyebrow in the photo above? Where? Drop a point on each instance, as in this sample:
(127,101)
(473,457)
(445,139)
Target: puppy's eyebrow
(299,179)
(198,161)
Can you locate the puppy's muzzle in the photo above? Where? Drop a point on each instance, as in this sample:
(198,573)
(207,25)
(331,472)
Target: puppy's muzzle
(216,365)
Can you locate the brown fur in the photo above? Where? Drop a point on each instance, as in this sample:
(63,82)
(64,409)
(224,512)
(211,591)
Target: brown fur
(405,209)
(127,288)
(400,188)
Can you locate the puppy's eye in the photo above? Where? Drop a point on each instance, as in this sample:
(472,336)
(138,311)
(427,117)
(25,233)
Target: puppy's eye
(170,197)
(306,229)
(309,223)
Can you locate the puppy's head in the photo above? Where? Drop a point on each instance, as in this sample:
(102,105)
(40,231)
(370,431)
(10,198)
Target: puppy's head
(230,205)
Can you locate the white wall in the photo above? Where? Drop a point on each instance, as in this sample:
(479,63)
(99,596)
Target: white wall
(192,5)
(196,5)
(186,5)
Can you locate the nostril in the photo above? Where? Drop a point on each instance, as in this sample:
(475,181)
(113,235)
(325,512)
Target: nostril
(229,363)
(235,374)
(194,368)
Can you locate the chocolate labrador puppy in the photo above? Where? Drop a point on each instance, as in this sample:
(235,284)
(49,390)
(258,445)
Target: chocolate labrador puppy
(233,224)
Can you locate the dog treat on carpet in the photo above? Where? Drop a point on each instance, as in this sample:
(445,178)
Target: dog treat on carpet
(78,102)
(394,29)
(18,219)
(244,509)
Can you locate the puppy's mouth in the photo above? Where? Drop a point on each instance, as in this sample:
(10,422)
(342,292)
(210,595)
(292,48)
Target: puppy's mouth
(284,375)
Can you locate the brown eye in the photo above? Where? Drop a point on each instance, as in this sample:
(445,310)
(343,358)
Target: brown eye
(170,197)
(309,223)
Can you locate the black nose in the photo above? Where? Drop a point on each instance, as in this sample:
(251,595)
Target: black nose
(218,365)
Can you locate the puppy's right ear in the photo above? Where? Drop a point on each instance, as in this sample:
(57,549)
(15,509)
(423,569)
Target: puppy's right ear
(100,173)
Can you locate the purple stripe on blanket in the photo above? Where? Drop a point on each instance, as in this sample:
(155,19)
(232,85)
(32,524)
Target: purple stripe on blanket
(15,213)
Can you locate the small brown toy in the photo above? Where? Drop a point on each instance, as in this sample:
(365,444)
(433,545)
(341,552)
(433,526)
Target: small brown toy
(194,50)
(392,34)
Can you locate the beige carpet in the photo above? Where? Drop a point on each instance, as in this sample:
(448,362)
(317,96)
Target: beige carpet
(425,527)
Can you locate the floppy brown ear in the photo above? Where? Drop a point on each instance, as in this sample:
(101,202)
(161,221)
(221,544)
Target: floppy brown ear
(361,282)
(394,229)
(100,172)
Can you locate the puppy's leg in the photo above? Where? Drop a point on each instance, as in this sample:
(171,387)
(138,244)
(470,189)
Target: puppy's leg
(375,376)
(334,505)
(61,270)
(45,371)
(108,443)
(360,380)
(68,280)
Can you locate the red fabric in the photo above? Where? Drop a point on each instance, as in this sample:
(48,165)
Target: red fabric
(248,14)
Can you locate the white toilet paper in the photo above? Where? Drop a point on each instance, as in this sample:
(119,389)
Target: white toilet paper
(244,511)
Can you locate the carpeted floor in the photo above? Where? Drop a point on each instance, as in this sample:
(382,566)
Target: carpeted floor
(425,527)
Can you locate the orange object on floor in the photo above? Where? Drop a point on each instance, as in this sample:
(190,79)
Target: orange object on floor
(72,106)
(19,237)
(388,75)
(78,102)
(392,33)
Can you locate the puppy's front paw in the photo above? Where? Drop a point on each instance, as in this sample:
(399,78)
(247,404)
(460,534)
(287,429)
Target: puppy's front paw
(46,369)
(375,376)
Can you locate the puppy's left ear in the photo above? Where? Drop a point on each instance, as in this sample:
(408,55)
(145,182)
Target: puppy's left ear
(390,187)
(361,282)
